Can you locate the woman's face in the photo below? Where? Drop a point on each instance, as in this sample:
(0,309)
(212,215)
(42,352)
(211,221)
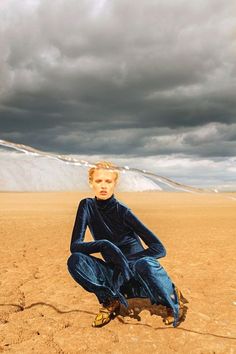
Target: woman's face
(103,183)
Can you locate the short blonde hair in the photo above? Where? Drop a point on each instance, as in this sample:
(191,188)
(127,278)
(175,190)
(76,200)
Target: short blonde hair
(103,165)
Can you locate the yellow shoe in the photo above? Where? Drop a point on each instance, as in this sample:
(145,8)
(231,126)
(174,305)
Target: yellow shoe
(182,309)
(106,314)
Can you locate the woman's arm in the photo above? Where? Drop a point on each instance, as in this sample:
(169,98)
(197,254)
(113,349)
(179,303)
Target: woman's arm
(80,225)
(155,247)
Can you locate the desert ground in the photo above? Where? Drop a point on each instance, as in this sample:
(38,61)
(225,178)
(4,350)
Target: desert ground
(43,310)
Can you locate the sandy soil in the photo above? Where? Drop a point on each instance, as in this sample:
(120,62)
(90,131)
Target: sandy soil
(43,310)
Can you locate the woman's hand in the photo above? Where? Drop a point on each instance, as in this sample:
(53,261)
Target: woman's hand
(111,253)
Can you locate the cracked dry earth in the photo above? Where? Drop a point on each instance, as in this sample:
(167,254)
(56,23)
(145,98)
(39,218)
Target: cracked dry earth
(42,310)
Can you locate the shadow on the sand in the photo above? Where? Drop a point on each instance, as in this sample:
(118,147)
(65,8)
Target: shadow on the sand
(137,305)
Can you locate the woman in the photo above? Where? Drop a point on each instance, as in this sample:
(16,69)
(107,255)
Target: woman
(127,270)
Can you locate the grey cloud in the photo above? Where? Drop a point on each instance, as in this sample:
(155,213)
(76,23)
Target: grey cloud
(75,76)
(211,140)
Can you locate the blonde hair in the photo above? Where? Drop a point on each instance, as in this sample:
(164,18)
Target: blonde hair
(103,165)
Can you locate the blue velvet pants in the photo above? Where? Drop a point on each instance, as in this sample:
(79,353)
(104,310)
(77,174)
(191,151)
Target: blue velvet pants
(101,278)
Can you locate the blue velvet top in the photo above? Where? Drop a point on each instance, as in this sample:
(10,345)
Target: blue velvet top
(116,232)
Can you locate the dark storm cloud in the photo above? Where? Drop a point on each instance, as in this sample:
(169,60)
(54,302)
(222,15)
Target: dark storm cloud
(137,79)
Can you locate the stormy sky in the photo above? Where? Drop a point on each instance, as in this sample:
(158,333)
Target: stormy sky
(144,83)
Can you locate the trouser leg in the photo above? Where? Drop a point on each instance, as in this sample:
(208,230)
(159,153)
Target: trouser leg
(157,283)
(93,274)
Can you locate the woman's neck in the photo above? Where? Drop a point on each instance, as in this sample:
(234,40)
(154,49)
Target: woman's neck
(104,202)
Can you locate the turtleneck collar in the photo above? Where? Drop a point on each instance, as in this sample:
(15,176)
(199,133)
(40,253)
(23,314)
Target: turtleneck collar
(103,203)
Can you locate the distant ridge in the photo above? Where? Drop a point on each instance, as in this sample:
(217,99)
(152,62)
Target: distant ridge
(140,177)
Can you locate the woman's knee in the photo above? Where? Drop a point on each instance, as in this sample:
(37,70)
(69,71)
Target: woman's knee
(145,265)
(141,265)
(74,259)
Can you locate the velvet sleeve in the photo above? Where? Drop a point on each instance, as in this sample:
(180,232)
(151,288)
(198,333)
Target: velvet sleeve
(155,247)
(80,225)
